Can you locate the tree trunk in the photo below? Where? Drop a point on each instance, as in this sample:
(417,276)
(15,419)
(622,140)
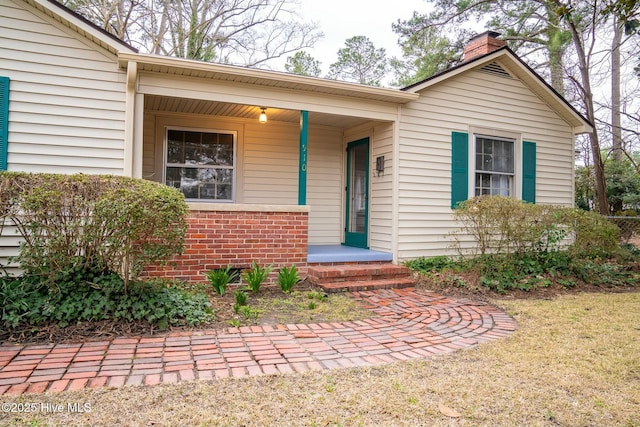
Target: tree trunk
(556,48)
(616,127)
(602,204)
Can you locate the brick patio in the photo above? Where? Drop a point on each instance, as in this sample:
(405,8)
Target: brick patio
(407,324)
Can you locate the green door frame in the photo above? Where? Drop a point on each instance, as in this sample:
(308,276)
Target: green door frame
(357,238)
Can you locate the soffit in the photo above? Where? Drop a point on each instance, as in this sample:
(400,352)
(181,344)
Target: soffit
(164,104)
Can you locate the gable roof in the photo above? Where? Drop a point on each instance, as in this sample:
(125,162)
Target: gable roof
(170,65)
(522,71)
(81,25)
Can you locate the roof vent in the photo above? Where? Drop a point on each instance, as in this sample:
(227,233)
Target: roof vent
(495,69)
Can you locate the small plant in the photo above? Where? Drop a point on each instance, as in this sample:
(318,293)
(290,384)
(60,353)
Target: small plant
(221,277)
(235,323)
(312,305)
(567,283)
(241,297)
(287,278)
(256,275)
(320,296)
(250,313)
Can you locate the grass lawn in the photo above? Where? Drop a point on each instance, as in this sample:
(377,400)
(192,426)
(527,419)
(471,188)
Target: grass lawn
(574,361)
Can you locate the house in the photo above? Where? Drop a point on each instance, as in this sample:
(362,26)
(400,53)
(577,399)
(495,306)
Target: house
(339,172)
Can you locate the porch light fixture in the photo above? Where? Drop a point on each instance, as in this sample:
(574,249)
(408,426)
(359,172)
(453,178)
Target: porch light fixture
(263,116)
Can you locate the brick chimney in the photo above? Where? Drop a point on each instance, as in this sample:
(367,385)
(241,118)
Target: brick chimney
(482,44)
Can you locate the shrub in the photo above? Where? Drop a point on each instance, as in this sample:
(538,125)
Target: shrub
(221,277)
(104,223)
(593,234)
(437,263)
(256,275)
(287,278)
(241,297)
(505,225)
(29,302)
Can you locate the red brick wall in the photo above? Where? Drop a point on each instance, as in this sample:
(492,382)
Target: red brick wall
(218,238)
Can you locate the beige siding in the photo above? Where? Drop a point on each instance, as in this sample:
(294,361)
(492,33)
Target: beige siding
(471,100)
(271,164)
(325,185)
(381,200)
(9,244)
(267,165)
(67,99)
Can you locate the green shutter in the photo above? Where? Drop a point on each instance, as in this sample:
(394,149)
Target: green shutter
(459,167)
(529,171)
(4,121)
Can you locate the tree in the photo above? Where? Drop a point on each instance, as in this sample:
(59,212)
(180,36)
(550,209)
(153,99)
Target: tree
(530,27)
(116,17)
(304,64)
(623,185)
(582,24)
(244,32)
(359,61)
(424,53)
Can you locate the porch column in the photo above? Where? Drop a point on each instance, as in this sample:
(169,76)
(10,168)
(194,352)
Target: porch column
(302,170)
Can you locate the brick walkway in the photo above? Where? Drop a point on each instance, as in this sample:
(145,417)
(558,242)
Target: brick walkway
(408,324)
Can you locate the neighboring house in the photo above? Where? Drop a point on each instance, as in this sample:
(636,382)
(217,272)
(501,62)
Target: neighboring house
(336,164)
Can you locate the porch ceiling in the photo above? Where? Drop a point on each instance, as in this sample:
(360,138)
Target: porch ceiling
(212,108)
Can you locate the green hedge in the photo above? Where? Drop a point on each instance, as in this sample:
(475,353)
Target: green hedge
(92,223)
(505,225)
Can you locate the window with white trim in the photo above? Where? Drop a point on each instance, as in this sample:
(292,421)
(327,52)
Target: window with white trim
(201,163)
(494,169)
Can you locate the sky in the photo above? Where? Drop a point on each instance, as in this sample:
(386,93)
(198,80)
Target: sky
(340,20)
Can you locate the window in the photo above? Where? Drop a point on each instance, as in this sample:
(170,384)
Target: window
(502,166)
(494,166)
(201,164)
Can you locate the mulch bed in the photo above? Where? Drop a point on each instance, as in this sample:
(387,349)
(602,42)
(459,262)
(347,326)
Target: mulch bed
(109,329)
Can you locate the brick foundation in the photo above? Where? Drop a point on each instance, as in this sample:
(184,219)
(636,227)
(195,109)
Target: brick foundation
(216,239)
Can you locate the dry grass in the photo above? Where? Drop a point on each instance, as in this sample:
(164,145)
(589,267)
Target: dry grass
(574,361)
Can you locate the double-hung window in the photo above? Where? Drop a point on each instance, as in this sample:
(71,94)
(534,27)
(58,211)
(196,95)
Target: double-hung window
(501,165)
(494,172)
(201,164)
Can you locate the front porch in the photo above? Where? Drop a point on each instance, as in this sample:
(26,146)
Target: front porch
(237,235)
(323,254)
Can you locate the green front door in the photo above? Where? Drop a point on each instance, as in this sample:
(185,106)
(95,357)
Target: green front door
(357,209)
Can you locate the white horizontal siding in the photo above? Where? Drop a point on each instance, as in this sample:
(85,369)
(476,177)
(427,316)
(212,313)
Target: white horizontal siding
(325,185)
(270,162)
(9,244)
(472,99)
(381,200)
(67,98)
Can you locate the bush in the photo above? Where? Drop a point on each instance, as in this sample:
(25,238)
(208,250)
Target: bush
(437,263)
(594,234)
(256,275)
(104,223)
(505,225)
(287,278)
(28,302)
(221,277)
